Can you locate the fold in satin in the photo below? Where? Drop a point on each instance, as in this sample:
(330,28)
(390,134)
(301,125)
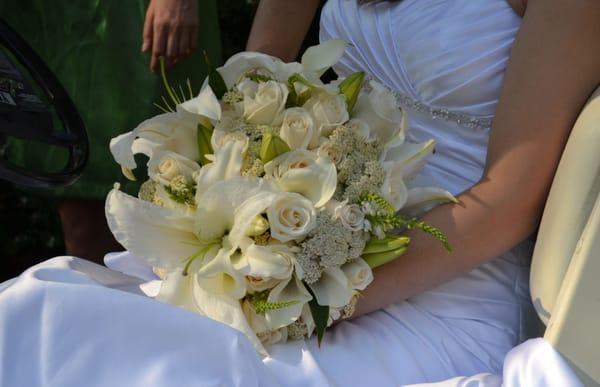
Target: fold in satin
(446,54)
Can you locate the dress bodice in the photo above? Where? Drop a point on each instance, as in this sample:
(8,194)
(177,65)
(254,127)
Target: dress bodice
(445,59)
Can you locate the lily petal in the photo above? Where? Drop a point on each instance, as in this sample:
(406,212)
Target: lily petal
(163,237)
(422,199)
(291,290)
(228,311)
(332,288)
(318,59)
(205,104)
(227,164)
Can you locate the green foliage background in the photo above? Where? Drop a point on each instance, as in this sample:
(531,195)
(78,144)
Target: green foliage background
(30,229)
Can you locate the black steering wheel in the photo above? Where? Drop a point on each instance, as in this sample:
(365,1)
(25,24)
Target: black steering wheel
(25,117)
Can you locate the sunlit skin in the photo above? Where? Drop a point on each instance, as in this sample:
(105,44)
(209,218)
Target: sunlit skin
(553,69)
(170,30)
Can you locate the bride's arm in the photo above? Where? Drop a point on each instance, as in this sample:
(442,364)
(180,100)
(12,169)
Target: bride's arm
(554,67)
(279,27)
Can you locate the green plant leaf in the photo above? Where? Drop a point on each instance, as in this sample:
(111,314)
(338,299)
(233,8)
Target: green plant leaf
(351,87)
(272,146)
(215,80)
(204,143)
(320,315)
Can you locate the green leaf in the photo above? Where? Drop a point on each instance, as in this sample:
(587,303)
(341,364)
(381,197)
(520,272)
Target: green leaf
(351,87)
(320,315)
(215,80)
(272,146)
(377,259)
(204,143)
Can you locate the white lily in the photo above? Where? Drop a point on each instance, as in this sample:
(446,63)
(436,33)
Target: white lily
(423,199)
(317,59)
(401,164)
(332,288)
(290,290)
(227,164)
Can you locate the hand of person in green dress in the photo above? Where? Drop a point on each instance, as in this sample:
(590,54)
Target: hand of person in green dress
(170,30)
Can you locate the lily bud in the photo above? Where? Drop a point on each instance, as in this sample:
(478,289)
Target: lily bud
(389,243)
(257,227)
(204,144)
(377,259)
(271,147)
(351,87)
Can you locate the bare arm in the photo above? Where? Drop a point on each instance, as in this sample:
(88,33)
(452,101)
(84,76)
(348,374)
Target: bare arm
(280,26)
(554,67)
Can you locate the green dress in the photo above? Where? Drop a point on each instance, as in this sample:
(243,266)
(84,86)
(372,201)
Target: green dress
(94,48)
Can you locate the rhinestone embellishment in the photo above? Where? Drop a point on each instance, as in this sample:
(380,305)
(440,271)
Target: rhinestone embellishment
(462,119)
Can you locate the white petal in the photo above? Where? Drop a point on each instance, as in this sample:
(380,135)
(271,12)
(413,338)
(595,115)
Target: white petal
(221,277)
(422,199)
(359,273)
(227,164)
(227,311)
(319,58)
(163,237)
(408,158)
(120,147)
(292,290)
(177,289)
(205,104)
(268,262)
(216,207)
(394,189)
(332,288)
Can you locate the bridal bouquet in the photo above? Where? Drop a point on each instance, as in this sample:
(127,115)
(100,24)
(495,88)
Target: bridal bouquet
(271,195)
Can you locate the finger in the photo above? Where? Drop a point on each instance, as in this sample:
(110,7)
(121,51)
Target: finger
(147,32)
(159,42)
(154,63)
(173,44)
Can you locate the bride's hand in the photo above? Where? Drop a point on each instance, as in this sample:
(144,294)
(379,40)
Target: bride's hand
(170,30)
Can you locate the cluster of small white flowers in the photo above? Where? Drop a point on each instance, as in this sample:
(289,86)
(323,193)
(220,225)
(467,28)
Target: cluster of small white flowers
(373,176)
(147,191)
(232,96)
(329,244)
(297,330)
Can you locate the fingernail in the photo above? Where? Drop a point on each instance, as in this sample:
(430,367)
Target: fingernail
(144,46)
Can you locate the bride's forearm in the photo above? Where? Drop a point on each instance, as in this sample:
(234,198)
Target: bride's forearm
(279,27)
(554,67)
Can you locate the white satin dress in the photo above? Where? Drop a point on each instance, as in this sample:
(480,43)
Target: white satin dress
(68,322)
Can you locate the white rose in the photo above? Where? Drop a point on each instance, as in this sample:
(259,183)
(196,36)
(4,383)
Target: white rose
(326,149)
(304,172)
(359,274)
(350,215)
(297,128)
(268,265)
(380,110)
(263,102)
(167,165)
(291,217)
(329,111)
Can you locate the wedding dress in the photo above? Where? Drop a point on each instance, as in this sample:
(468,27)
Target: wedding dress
(69,322)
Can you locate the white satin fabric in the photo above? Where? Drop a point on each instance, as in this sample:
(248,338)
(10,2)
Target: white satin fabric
(71,323)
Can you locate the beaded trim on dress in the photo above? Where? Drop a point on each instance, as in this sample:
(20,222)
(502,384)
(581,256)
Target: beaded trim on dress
(461,119)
